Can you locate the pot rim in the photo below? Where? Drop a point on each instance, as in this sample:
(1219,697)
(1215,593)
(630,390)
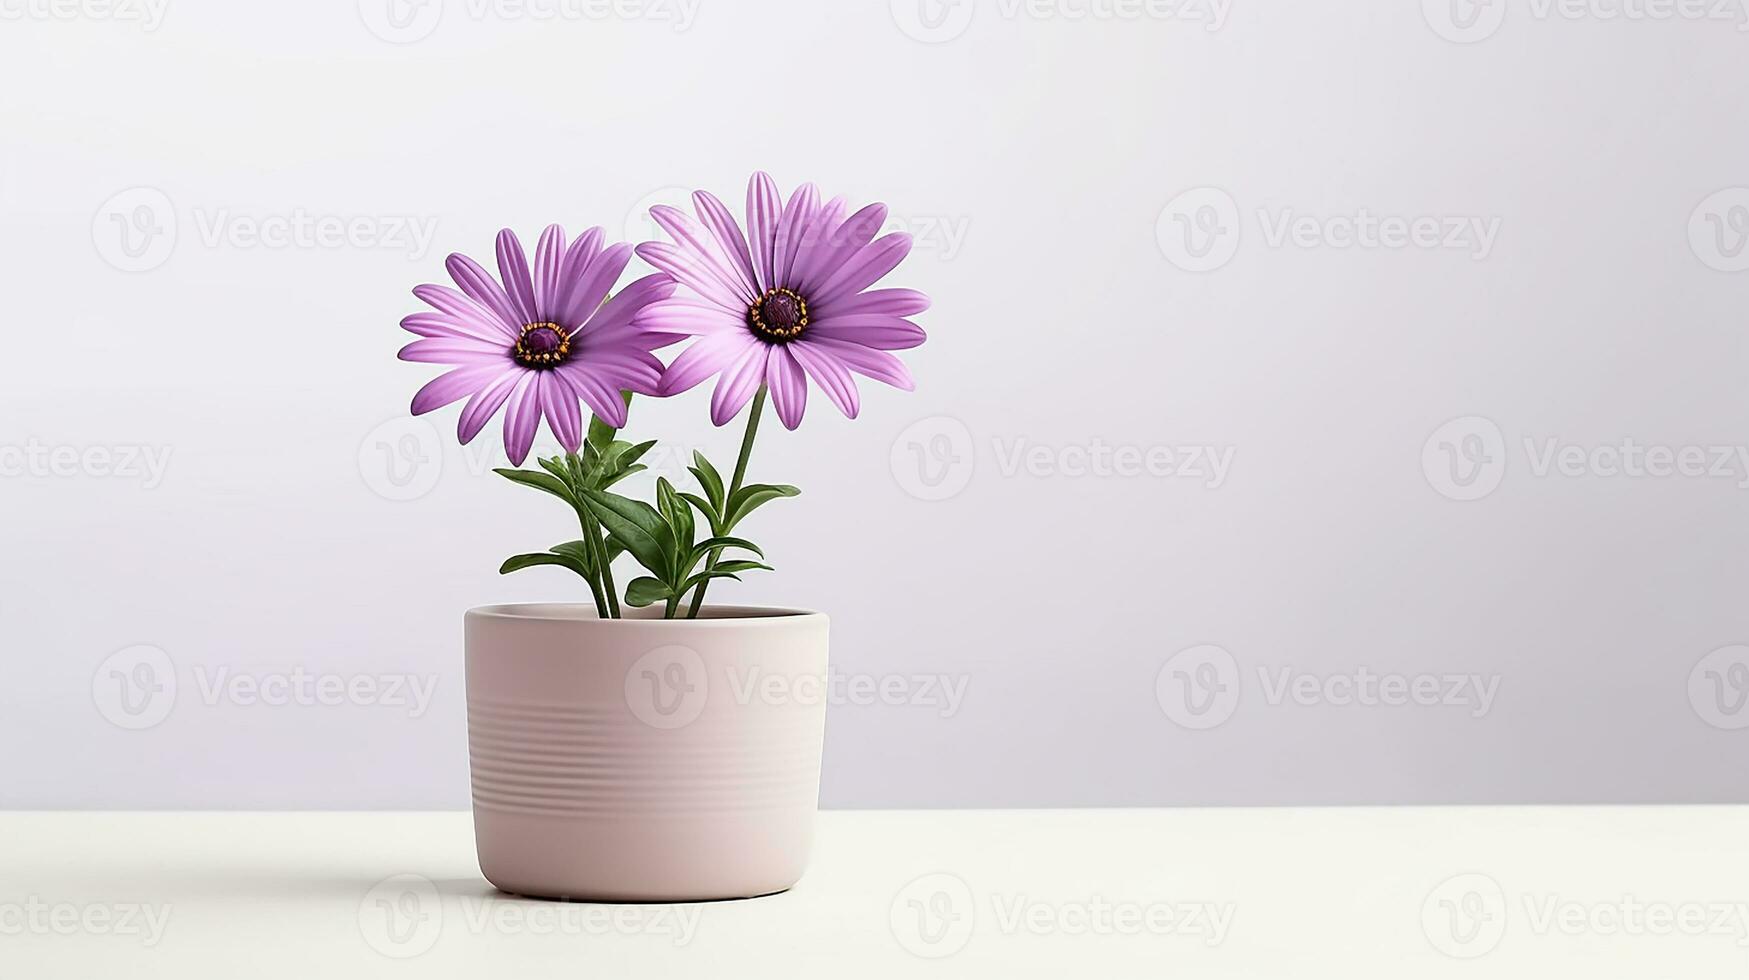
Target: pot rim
(725,617)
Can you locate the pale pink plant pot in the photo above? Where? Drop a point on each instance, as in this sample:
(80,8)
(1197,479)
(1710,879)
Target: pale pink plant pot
(643,759)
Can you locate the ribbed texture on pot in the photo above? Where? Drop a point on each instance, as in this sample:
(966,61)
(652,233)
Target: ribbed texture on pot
(549,759)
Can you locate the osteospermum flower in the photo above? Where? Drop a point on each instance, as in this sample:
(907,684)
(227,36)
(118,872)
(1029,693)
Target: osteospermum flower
(786,303)
(541,341)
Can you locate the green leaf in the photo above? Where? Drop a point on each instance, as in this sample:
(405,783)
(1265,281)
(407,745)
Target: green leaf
(558,468)
(636,525)
(678,514)
(622,474)
(577,551)
(693,582)
(742,566)
(709,479)
(520,562)
(540,481)
(704,507)
(748,499)
(645,590)
(708,545)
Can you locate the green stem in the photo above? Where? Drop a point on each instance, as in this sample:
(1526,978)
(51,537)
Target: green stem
(734,488)
(600,435)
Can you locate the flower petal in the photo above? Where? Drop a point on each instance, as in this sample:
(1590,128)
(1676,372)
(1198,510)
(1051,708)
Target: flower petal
(738,382)
(870,330)
(456,304)
(691,272)
(891,302)
(788,384)
(513,269)
(559,403)
(597,280)
(452,350)
(727,230)
(480,287)
(577,258)
(522,418)
(485,403)
(445,325)
(764,208)
(604,399)
(692,238)
(848,238)
(629,302)
(687,317)
(797,216)
(707,356)
(865,268)
(549,263)
(830,374)
(817,246)
(453,386)
(876,364)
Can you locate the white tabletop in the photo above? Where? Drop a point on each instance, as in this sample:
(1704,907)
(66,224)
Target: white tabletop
(1399,893)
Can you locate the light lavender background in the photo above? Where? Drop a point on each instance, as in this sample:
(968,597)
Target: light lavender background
(1106,632)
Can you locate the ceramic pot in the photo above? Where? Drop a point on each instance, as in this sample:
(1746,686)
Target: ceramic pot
(643,759)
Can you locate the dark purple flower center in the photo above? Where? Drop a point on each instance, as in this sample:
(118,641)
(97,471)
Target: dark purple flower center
(780,316)
(542,345)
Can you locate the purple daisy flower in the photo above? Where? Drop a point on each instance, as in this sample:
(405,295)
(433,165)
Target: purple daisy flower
(541,344)
(787,304)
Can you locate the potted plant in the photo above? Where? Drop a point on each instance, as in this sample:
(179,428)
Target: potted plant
(627,748)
